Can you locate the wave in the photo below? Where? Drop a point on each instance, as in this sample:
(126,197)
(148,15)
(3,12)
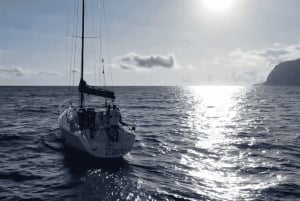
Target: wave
(283,191)
(19,176)
(9,136)
(233,146)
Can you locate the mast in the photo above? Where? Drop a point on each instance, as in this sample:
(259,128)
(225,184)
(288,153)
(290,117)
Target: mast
(82,52)
(83,87)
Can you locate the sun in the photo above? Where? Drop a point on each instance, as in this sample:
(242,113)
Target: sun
(218,5)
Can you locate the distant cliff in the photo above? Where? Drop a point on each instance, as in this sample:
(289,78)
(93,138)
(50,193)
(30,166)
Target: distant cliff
(285,73)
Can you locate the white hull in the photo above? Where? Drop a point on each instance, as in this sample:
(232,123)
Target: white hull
(95,141)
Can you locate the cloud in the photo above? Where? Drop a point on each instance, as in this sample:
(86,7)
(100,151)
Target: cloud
(125,67)
(246,77)
(133,61)
(240,66)
(268,56)
(19,71)
(15,70)
(46,73)
(254,65)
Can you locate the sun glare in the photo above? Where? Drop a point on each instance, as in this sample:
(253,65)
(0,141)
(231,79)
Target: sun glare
(218,5)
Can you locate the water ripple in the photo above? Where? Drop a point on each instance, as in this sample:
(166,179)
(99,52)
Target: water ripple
(193,143)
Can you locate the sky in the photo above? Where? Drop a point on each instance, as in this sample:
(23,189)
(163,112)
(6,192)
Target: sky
(153,42)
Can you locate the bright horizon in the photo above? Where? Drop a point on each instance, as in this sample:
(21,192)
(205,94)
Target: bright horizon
(153,43)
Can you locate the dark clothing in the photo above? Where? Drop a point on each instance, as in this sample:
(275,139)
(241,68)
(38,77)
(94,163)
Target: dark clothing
(114,132)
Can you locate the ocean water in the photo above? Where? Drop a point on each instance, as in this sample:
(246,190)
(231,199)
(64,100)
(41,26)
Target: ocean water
(192,143)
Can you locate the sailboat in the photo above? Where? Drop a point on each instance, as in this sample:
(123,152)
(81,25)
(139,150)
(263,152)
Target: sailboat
(89,129)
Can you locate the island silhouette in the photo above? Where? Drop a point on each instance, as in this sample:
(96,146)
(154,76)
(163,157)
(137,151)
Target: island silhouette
(285,73)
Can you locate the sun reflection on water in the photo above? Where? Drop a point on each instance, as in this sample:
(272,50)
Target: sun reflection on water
(213,162)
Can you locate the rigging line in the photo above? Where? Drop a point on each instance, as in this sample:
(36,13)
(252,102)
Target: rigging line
(101,39)
(66,63)
(72,48)
(85,37)
(103,73)
(82,51)
(107,44)
(75,49)
(68,66)
(94,55)
(98,42)
(66,47)
(71,53)
(98,67)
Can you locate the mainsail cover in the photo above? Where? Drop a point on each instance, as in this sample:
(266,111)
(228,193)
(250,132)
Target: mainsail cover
(97,91)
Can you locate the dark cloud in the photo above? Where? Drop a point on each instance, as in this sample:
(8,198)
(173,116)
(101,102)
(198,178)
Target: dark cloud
(125,67)
(17,71)
(133,60)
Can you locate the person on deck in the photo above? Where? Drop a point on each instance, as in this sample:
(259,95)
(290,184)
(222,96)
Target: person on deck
(107,118)
(116,118)
(108,112)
